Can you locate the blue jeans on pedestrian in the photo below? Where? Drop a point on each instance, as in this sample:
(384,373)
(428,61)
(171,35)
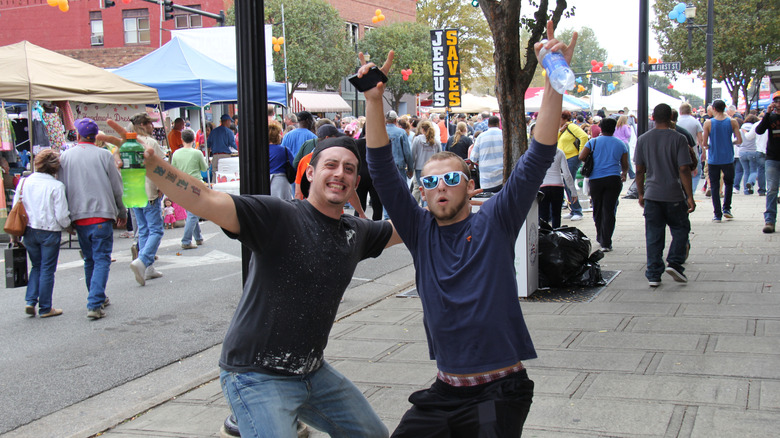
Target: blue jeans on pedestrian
(191,229)
(574,165)
(738,172)
(43,247)
(150,230)
(728,182)
(696,178)
(749,161)
(772,182)
(268,405)
(657,216)
(761,179)
(96,242)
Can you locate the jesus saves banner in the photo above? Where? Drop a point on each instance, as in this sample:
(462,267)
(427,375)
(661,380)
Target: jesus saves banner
(446,68)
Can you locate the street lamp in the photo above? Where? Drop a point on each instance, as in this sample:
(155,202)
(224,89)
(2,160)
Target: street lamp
(689,14)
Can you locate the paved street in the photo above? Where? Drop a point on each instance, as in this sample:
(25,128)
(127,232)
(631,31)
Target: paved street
(684,360)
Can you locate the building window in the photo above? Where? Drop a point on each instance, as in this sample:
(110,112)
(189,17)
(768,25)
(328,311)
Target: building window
(96,26)
(352,32)
(367,29)
(185,20)
(136,22)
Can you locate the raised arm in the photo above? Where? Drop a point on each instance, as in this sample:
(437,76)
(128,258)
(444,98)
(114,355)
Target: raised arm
(548,121)
(376,134)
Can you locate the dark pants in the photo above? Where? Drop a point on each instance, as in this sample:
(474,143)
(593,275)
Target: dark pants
(365,188)
(550,205)
(605,193)
(657,216)
(728,183)
(493,410)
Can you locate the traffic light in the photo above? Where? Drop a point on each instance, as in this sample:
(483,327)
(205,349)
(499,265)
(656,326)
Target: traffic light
(109,3)
(168,9)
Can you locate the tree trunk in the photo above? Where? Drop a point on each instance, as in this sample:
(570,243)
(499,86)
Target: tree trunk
(512,78)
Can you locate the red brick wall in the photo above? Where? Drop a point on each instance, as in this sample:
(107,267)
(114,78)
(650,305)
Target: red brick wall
(360,12)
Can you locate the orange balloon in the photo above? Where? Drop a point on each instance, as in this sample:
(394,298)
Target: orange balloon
(280,40)
(273,40)
(277,47)
(64,6)
(381,17)
(52,3)
(378,12)
(374,19)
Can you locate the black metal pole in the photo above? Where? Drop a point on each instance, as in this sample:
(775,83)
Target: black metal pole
(642,74)
(710,30)
(252,99)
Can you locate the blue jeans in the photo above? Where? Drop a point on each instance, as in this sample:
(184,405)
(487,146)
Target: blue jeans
(749,161)
(150,230)
(191,229)
(574,165)
(96,242)
(657,216)
(43,247)
(761,163)
(738,172)
(696,178)
(772,180)
(268,405)
(728,182)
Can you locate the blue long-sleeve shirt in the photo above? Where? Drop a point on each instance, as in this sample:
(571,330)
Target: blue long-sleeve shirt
(465,272)
(221,140)
(402,152)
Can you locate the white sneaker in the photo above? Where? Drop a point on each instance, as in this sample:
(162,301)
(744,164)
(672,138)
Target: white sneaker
(152,273)
(566,216)
(576,217)
(138,268)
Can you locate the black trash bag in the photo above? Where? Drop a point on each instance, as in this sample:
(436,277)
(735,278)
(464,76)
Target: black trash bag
(562,252)
(590,273)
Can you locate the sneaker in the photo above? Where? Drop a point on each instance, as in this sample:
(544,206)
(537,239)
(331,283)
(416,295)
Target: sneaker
(152,273)
(716,220)
(138,268)
(106,303)
(52,312)
(96,313)
(727,214)
(576,217)
(654,283)
(735,191)
(134,250)
(189,245)
(566,216)
(768,229)
(30,310)
(199,242)
(749,188)
(708,193)
(606,249)
(677,275)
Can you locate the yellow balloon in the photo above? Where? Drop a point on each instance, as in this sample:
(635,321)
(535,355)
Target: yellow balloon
(544,73)
(381,17)
(64,6)
(53,3)
(280,40)
(277,47)
(378,12)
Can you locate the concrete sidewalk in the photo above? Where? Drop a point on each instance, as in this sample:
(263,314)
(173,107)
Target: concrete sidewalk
(700,359)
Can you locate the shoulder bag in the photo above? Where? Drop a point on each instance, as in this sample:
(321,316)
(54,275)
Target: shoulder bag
(577,141)
(587,167)
(16,223)
(289,172)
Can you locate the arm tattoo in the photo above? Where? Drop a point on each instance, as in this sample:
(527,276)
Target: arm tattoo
(170,176)
(195,190)
(183,184)
(159,170)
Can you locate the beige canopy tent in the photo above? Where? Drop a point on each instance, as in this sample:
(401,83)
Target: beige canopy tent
(32,73)
(472,104)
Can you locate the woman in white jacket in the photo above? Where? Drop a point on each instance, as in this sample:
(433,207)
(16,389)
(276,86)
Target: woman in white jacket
(43,196)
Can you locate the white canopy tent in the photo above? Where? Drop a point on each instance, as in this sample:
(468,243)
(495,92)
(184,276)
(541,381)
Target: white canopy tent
(628,98)
(472,104)
(570,103)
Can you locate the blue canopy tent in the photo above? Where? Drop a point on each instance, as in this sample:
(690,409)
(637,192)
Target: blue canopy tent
(183,76)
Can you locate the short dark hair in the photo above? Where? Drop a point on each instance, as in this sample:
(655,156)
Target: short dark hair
(719,105)
(494,121)
(662,113)
(566,115)
(607,126)
(674,115)
(187,136)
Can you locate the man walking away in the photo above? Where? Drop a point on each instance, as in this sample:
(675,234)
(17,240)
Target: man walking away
(720,157)
(488,153)
(191,162)
(93,187)
(663,181)
(771,123)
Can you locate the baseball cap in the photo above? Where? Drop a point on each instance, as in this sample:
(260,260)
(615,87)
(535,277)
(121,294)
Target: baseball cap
(225,117)
(391,115)
(343,141)
(86,127)
(327,130)
(776,95)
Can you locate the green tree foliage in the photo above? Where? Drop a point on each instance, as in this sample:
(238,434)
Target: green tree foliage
(588,49)
(318,52)
(745,39)
(475,43)
(412,45)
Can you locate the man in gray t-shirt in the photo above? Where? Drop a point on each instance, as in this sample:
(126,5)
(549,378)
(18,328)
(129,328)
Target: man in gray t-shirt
(663,181)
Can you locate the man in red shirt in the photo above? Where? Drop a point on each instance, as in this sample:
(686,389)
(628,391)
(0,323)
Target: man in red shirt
(174,137)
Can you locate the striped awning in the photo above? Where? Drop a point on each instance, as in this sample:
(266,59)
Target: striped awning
(318,102)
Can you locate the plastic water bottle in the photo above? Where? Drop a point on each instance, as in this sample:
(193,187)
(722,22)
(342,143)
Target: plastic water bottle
(133,172)
(561,76)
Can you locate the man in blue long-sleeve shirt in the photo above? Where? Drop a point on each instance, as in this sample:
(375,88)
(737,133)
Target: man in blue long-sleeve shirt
(221,141)
(465,275)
